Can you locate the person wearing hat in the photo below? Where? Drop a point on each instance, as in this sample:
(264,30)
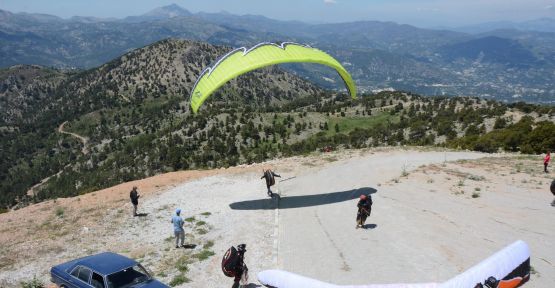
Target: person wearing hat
(178,230)
(241,270)
(364,208)
(134,196)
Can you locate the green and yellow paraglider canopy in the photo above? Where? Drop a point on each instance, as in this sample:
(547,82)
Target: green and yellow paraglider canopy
(243,60)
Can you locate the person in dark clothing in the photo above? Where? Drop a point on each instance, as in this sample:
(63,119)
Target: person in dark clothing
(546,161)
(270,180)
(134,195)
(553,191)
(364,208)
(241,270)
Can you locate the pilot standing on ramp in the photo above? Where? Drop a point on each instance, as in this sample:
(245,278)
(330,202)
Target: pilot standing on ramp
(269,175)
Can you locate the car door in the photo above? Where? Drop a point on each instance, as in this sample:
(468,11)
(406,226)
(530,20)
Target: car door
(97,281)
(80,277)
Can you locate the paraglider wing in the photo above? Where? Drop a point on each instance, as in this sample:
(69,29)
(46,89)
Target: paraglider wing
(508,268)
(242,60)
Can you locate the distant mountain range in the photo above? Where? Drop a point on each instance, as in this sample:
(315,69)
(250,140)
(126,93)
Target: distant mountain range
(509,63)
(541,25)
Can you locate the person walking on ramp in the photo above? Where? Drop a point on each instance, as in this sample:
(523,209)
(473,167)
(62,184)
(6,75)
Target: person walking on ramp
(546,161)
(134,196)
(269,175)
(178,230)
(364,208)
(552,187)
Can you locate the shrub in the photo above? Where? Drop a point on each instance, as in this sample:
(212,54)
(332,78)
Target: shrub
(33,283)
(60,212)
(179,279)
(208,244)
(182,263)
(204,254)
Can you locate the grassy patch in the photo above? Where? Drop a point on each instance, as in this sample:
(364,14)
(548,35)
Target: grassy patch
(179,279)
(475,194)
(404,173)
(33,283)
(200,223)
(204,254)
(202,231)
(476,177)
(182,263)
(190,219)
(208,244)
(348,124)
(59,212)
(331,159)
(205,213)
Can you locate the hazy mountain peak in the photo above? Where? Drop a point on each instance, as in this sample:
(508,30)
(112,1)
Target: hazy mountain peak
(160,13)
(169,11)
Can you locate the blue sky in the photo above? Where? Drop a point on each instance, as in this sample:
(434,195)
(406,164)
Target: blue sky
(426,13)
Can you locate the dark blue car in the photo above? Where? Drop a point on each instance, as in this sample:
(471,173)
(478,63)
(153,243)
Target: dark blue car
(104,270)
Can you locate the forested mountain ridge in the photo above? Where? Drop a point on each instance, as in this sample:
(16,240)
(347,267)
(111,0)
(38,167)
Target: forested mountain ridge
(156,78)
(133,113)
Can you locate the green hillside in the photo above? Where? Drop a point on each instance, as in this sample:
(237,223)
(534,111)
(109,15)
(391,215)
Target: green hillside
(135,122)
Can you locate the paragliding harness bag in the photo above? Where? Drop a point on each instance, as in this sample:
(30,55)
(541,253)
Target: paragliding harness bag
(270,178)
(230,261)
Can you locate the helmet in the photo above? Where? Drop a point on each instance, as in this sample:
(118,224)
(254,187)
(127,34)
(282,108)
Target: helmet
(177,211)
(362,197)
(491,282)
(242,247)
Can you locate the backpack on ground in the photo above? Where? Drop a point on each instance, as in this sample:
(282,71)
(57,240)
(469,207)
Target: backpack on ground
(229,262)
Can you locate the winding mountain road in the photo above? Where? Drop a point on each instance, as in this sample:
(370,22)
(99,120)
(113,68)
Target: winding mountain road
(82,139)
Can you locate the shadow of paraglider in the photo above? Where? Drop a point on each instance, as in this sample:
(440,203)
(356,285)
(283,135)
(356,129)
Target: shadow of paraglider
(288,202)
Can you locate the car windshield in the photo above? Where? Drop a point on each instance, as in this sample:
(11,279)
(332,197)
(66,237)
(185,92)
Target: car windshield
(128,277)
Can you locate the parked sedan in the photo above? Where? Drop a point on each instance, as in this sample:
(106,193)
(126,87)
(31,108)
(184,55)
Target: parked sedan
(104,270)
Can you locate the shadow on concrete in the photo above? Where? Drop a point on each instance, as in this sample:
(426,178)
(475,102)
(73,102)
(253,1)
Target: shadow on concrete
(369,226)
(251,285)
(288,202)
(141,215)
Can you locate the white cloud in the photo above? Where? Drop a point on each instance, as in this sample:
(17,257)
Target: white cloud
(330,1)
